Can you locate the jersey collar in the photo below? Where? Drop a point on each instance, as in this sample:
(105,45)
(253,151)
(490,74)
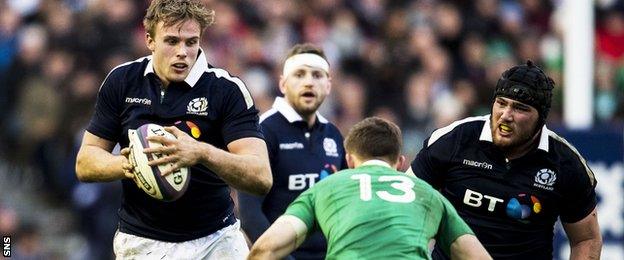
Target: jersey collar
(290,114)
(486,135)
(376,162)
(201,65)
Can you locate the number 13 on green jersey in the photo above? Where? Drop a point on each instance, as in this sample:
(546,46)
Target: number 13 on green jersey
(376,212)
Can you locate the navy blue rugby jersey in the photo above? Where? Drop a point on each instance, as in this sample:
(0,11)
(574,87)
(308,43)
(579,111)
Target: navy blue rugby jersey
(511,205)
(218,108)
(300,157)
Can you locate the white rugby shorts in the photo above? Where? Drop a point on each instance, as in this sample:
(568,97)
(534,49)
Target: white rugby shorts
(227,243)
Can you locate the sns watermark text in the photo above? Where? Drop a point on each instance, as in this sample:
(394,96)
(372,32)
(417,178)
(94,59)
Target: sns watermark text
(6,246)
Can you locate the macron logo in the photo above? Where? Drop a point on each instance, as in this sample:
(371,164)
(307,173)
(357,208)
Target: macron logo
(140,101)
(291,146)
(483,165)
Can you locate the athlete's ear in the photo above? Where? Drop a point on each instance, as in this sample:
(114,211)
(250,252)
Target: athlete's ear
(350,161)
(329,84)
(282,85)
(150,42)
(400,164)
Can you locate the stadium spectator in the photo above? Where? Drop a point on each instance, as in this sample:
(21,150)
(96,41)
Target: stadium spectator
(371,211)
(304,148)
(510,177)
(228,150)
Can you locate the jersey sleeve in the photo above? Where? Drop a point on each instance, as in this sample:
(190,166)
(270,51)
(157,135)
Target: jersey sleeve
(240,118)
(431,162)
(579,190)
(105,121)
(451,227)
(303,208)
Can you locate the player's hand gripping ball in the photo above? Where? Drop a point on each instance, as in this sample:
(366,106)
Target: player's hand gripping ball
(148,178)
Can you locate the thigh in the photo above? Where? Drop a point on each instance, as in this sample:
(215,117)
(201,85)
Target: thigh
(227,243)
(230,246)
(126,246)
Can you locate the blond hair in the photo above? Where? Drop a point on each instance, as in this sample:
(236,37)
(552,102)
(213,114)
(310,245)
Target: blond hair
(306,48)
(174,11)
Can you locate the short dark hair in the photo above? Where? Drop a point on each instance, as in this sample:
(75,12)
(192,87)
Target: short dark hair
(173,11)
(374,137)
(306,48)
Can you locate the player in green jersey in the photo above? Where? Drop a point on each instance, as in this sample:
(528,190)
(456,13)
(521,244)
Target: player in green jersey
(372,211)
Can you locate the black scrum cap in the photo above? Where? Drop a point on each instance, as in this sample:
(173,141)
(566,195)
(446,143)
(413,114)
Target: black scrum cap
(528,84)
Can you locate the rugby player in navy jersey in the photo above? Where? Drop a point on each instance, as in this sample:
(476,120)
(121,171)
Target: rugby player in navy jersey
(303,146)
(218,136)
(511,178)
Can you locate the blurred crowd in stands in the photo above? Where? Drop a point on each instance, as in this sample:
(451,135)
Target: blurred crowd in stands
(420,63)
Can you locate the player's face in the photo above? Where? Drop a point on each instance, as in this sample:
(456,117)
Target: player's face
(305,89)
(174,49)
(513,123)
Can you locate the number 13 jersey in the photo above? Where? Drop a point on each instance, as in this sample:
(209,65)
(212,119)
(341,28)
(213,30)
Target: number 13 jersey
(376,212)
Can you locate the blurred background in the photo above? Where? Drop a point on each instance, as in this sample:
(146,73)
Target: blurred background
(422,64)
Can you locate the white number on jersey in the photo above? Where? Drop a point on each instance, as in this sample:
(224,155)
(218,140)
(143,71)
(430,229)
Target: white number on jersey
(398,182)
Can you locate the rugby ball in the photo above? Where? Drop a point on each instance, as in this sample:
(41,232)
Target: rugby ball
(148,178)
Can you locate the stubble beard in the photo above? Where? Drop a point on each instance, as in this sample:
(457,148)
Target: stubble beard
(306,110)
(516,144)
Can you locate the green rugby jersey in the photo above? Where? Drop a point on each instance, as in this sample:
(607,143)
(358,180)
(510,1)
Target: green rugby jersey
(376,212)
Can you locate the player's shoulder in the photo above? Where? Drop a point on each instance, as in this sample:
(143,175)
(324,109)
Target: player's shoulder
(129,68)
(271,124)
(271,118)
(421,187)
(557,144)
(465,129)
(224,82)
(222,77)
(332,129)
(565,153)
(126,71)
(426,191)
(340,176)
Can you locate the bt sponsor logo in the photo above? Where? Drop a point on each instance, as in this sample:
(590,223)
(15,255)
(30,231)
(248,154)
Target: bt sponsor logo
(476,199)
(307,180)
(523,206)
(520,207)
(301,181)
(189,127)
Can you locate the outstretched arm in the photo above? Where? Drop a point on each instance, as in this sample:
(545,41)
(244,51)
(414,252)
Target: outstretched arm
(584,236)
(468,247)
(244,167)
(283,237)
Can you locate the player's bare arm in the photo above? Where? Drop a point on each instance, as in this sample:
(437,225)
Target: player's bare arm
(584,236)
(245,167)
(468,247)
(283,237)
(96,163)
